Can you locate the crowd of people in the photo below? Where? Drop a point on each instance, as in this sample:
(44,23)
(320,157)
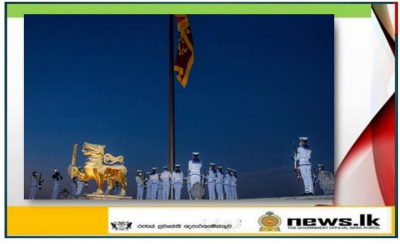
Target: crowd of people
(157,186)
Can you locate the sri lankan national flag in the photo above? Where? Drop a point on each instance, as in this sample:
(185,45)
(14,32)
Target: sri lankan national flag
(185,56)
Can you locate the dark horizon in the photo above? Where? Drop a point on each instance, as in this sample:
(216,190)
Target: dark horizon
(258,83)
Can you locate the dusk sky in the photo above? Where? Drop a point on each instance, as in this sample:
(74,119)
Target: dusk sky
(258,83)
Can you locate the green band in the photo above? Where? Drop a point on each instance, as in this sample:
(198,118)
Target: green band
(18,10)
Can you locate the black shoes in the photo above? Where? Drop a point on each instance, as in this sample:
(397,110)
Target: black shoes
(308,194)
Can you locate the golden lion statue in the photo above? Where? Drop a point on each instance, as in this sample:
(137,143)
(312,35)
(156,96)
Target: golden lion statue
(99,166)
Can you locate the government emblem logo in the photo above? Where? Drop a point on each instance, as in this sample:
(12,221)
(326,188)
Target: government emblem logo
(121,225)
(269,222)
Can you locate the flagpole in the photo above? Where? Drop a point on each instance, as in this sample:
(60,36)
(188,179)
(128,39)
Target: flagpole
(171,100)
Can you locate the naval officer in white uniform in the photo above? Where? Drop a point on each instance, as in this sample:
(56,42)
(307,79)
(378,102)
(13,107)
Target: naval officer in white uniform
(56,184)
(303,155)
(139,184)
(154,183)
(219,183)
(227,184)
(148,186)
(34,185)
(234,184)
(211,179)
(166,183)
(177,181)
(195,169)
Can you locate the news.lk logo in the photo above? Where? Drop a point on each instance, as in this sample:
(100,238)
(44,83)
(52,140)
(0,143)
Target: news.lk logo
(365,221)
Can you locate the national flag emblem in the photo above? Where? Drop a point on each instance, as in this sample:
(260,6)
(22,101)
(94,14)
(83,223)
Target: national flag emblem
(185,56)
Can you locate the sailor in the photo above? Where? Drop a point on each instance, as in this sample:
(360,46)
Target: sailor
(160,188)
(74,186)
(34,184)
(177,181)
(188,185)
(304,155)
(211,179)
(234,184)
(166,183)
(139,185)
(80,183)
(148,186)
(195,169)
(219,182)
(56,184)
(227,184)
(154,183)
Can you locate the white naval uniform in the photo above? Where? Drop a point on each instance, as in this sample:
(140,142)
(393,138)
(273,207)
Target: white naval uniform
(227,186)
(74,188)
(219,182)
(233,187)
(177,180)
(188,187)
(139,185)
(304,155)
(56,189)
(148,189)
(160,189)
(154,185)
(195,171)
(34,187)
(211,179)
(79,190)
(166,184)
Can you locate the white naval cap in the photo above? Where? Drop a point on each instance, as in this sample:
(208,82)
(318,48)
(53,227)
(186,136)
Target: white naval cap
(154,168)
(55,170)
(147,173)
(234,170)
(165,167)
(303,138)
(212,164)
(138,170)
(195,153)
(177,165)
(320,165)
(228,169)
(219,167)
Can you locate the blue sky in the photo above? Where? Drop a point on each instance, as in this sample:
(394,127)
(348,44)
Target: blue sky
(257,83)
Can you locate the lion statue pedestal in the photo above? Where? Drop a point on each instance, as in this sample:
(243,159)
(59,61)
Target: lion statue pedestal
(106,197)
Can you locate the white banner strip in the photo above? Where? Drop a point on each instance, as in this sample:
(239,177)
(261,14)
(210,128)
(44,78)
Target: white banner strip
(251,220)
